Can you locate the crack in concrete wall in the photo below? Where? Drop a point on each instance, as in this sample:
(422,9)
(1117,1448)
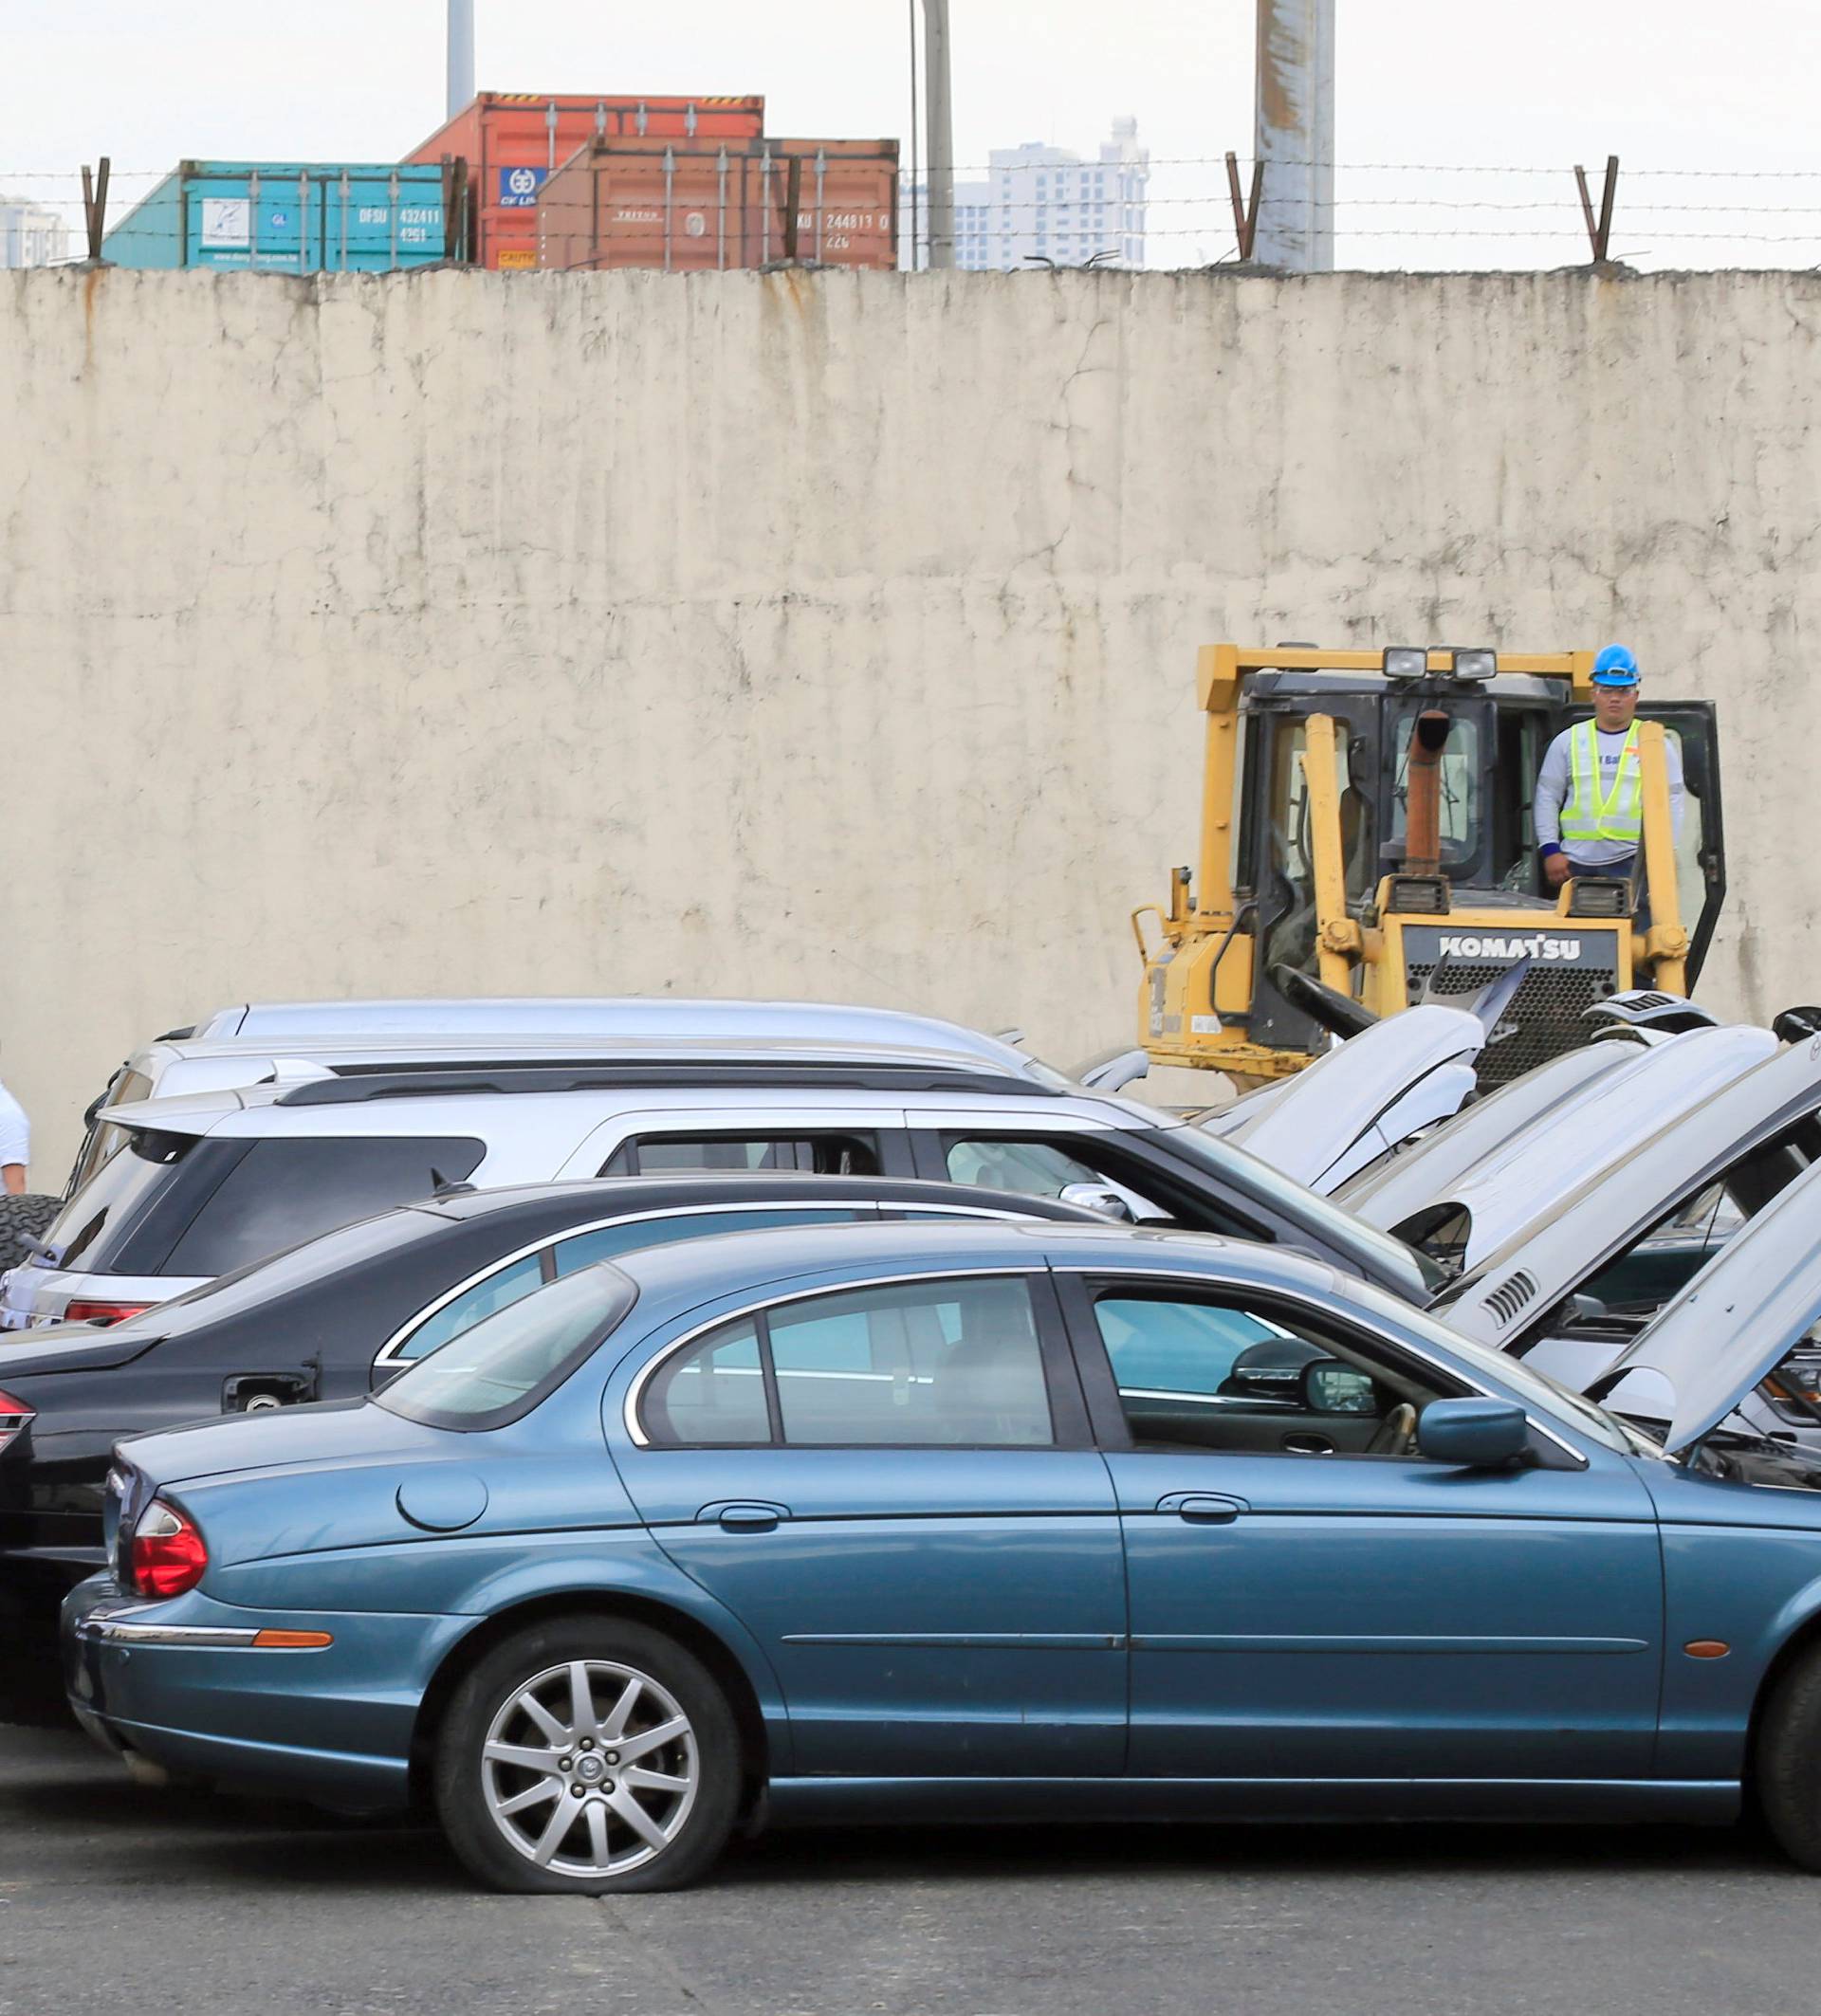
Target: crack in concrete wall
(823,634)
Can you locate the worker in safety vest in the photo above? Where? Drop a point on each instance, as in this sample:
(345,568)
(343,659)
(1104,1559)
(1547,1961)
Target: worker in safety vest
(1589,800)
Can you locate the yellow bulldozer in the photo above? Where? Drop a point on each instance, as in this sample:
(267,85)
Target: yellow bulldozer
(1367,842)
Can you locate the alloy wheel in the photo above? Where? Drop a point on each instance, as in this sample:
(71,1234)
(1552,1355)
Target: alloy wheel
(590,1769)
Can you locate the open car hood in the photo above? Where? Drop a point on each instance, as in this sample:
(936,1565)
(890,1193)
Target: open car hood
(1363,1097)
(1389,1193)
(1517,1187)
(1735,1321)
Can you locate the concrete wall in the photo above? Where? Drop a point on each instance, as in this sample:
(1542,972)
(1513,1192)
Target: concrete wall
(823,635)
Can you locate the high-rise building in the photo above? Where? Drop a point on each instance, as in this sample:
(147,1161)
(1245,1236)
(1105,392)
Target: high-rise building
(1045,204)
(31,234)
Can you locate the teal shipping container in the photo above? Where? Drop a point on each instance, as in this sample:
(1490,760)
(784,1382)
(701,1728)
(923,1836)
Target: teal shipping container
(287,217)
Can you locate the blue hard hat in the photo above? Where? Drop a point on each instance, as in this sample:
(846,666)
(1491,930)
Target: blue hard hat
(1615,665)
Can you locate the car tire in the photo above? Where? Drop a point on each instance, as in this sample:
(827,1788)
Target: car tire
(22,1218)
(1787,1761)
(513,1759)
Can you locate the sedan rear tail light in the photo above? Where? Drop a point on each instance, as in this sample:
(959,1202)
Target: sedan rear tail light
(169,1555)
(15,1417)
(92,1312)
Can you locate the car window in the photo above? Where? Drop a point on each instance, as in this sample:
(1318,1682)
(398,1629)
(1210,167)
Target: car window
(497,1291)
(605,1242)
(937,1364)
(1176,1347)
(97,1219)
(714,1392)
(284,1190)
(500,1369)
(831,1154)
(1215,1373)
(103,1141)
(1033,1165)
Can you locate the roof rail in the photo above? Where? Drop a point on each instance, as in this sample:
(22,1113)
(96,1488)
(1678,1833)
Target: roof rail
(368,1086)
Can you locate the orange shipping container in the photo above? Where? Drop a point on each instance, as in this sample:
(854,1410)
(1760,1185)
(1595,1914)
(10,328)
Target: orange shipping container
(694,209)
(512,142)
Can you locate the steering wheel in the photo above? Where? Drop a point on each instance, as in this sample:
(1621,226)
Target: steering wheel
(1396,1434)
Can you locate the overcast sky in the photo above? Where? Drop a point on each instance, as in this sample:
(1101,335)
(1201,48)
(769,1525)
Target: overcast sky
(1666,84)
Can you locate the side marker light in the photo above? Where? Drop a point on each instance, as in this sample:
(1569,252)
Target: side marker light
(293,1640)
(1706,1648)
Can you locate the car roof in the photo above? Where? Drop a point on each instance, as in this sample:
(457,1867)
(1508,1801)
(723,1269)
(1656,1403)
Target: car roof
(760,1260)
(605,1016)
(707,1075)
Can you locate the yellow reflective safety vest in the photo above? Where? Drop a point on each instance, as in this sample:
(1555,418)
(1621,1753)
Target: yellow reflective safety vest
(1591,814)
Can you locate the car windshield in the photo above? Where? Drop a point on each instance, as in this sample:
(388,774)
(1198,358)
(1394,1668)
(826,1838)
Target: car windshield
(499,1370)
(1383,1257)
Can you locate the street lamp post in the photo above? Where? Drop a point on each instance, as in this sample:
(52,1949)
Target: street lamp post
(939,113)
(460,55)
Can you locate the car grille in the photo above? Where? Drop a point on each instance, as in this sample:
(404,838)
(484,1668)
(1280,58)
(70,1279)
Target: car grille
(1545,1016)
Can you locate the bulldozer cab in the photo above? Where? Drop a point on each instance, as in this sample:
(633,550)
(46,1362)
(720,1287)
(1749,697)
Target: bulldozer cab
(1367,823)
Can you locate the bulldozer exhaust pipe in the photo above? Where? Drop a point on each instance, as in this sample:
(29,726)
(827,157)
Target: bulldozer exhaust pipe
(1422,793)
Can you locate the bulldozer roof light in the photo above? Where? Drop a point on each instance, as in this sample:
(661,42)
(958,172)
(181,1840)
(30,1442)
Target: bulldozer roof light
(1406,661)
(1475,665)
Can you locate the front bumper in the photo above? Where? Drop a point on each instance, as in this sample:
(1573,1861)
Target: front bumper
(183,1684)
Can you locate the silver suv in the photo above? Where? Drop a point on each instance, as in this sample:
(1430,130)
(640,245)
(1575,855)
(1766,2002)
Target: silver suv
(217,1181)
(254,1040)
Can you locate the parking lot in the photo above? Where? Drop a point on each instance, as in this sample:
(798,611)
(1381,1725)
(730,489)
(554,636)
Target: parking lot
(114,1894)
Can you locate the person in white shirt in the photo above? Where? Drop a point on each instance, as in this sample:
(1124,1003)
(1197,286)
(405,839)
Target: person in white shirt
(1589,802)
(15,1144)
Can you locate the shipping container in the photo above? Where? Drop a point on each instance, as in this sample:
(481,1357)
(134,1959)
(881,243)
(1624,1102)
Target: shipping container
(687,209)
(514,141)
(288,217)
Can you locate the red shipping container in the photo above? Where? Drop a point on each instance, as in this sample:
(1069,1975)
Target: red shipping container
(694,209)
(513,142)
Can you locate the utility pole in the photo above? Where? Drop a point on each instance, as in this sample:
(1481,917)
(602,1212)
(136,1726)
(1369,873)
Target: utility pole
(460,55)
(1294,139)
(940,131)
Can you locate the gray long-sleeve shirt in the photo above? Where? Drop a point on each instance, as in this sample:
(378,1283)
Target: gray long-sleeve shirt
(1554,781)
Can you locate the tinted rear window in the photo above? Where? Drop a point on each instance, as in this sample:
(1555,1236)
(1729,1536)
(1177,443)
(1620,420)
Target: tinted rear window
(94,1224)
(281,1192)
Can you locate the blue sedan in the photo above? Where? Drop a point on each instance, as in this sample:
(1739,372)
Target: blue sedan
(960,1520)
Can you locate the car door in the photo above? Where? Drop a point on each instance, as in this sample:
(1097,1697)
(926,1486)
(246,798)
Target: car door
(1311,1599)
(895,1489)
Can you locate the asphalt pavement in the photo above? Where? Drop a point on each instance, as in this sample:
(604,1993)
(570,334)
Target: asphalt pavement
(113,1897)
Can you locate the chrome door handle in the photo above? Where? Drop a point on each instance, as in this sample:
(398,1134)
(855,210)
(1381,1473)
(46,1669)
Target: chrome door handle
(1201,1507)
(744,1515)
(1309,1445)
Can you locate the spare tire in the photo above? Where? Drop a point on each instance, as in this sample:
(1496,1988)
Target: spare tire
(25,1217)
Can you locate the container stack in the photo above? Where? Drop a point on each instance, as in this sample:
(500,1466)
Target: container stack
(287,217)
(524,181)
(694,209)
(684,185)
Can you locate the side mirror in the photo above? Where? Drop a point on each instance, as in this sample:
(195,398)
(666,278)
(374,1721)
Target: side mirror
(1096,1196)
(1473,1434)
(1331,1388)
(1582,1309)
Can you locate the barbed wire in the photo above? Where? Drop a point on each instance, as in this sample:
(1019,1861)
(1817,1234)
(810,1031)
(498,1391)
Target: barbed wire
(1092,166)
